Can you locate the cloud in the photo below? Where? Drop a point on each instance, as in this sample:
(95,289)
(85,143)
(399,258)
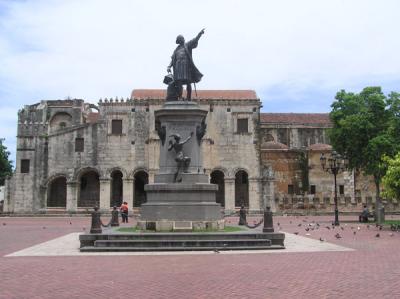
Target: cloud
(292,53)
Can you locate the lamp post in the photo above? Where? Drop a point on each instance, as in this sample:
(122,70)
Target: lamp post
(336,164)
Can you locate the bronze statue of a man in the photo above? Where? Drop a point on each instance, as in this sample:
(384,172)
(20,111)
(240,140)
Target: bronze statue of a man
(185,72)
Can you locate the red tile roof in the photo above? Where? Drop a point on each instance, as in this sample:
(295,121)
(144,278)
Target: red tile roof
(296,118)
(139,94)
(320,147)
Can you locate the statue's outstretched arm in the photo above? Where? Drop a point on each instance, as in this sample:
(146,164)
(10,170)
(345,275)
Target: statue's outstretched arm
(200,34)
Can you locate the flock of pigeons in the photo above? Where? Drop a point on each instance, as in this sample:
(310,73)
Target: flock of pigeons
(313,225)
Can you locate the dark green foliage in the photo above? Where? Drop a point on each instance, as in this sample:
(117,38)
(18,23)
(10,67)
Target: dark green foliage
(5,163)
(366,128)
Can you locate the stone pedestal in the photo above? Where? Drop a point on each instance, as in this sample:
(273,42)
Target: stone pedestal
(183,198)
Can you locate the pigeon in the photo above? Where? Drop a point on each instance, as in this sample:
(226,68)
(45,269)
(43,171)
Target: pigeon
(368,226)
(84,228)
(44,227)
(377,235)
(380,227)
(4,223)
(358,228)
(299,225)
(70,223)
(328,227)
(216,250)
(342,228)
(391,234)
(279,224)
(308,234)
(354,232)
(392,227)
(322,240)
(296,233)
(351,227)
(307,229)
(337,236)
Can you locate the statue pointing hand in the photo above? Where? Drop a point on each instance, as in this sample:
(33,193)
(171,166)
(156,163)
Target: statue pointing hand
(184,70)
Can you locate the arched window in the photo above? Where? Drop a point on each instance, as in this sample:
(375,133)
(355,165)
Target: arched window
(89,192)
(116,189)
(241,189)
(57,193)
(217,177)
(60,121)
(141,179)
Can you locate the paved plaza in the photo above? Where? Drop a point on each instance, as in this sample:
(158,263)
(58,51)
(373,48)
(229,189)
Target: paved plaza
(39,258)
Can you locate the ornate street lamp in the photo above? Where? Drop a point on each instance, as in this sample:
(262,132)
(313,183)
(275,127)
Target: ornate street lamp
(336,164)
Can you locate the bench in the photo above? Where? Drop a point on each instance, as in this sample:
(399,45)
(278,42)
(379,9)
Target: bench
(370,215)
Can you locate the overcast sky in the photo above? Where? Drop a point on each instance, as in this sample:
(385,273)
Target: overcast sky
(295,54)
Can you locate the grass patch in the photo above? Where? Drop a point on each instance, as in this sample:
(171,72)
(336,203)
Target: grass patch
(227,229)
(395,222)
(131,229)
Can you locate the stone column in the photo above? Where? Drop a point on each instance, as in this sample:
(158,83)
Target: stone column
(229,194)
(254,195)
(72,196)
(128,192)
(105,193)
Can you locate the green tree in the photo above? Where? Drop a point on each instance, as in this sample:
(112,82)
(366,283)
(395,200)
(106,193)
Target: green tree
(5,163)
(365,129)
(391,180)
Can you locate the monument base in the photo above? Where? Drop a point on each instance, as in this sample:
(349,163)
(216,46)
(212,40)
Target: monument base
(170,206)
(181,226)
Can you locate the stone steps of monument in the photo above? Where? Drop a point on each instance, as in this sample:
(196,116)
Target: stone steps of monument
(183,243)
(184,236)
(180,241)
(193,248)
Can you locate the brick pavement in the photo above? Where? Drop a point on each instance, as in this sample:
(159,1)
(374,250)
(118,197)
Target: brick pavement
(371,271)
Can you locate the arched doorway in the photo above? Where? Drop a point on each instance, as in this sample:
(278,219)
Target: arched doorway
(57,193)
(141,179)
(241,189)
(217,177)
(89,192)
(116,189)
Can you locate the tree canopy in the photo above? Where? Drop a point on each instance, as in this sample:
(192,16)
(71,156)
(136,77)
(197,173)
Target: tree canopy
(366,128)
(391,180)
(5,163)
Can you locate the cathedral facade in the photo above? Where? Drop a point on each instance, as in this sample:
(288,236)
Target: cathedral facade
(73,155)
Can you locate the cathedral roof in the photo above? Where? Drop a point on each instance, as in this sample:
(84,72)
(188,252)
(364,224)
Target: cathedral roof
(296,118)
(142,94)
(320,147)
